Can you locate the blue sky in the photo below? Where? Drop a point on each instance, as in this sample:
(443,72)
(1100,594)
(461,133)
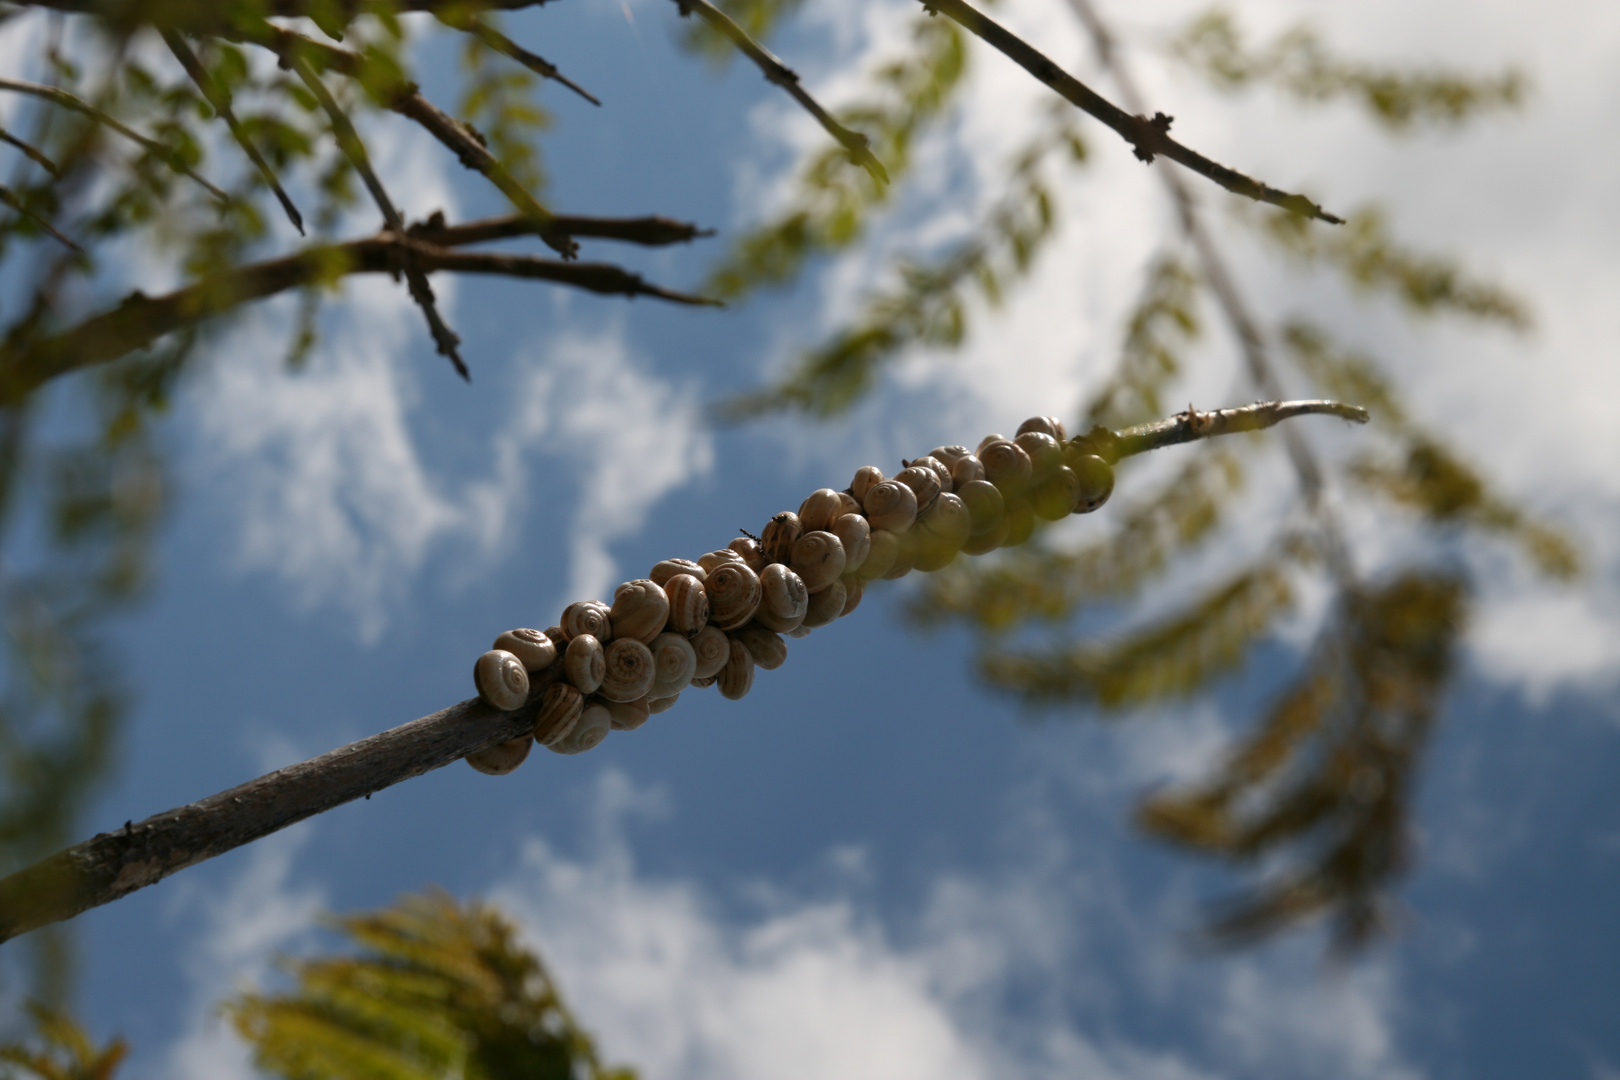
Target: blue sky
(872,867)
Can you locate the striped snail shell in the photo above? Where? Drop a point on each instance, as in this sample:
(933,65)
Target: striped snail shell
(923,482)
(780,534)
(703,682)
(718,558)
(766,646)
(753,556)
(855,533)
(820,510)
(733,595)
(818,559)
(629,715)
(891,505)
(854,588)
(712,649)
(674,664)
(941,532)
(503,757)
(737,677)
(883,549)
(1046,425)
(533,649)
(784,599)
(965,470)
(663,571)
(986,441)
(587,617)
(1007,466)
(1045,453)
(1020,522)
(688,604)
(560,707)
(661,704)
(1096,478)
(1055,497)
(640,610)
(865,477)
(942,471)
(594,724)
(584,664)
(501,680)
(629,673)
(826,605)
(984,504)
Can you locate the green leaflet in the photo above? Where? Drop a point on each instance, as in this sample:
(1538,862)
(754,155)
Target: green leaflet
(61,1050)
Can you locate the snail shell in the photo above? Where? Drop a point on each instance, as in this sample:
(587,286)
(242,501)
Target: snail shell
(942,471)
(905,558)
(640,610)
(704,682)
(753,556)
(1046,425)
(950,455)
(923,482)
(777,541)
(593,726)
(534,650)
(855,533)
(984,542)
(1020,522)
(733,595)
(891,505)
(767,647)
(965,470)
(587,617)
(629,666)
(820,510)
(987,440)
(718,558)
(584,664)
(662,704)
(1096,478)
(1055,497)
(711,648)
(784,601)
(1045,453)
(1007,466)
(688,604)
(947,525)
(737,677)
(674,664)
(826,605)
(855,588)
(818,559)
(880,556)
(865,477)
(629,715)
(663,571)
(984,504)
(503,757)
(560,707)
(501,680)
(799,632)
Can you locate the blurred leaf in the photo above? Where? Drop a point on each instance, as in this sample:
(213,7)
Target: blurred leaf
(758,18)
(1164,320)
(61,1050)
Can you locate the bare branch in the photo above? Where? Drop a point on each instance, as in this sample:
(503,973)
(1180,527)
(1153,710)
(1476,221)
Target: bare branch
(219,98)
(1192,425)
(30,152)
(858,146)
(647,231)
(115,864)
(472,24)
(9,198)
(79,105)
(1147,136)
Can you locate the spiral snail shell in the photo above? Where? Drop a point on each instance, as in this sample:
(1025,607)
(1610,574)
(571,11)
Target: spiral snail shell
(781,532)
(593,726)
(587,617)
(674,664)
(987,440)
(733,595)
(1007,466)
(629,670)
(949,455)
(640,610)
(818,559)
(503,757)
(718,558)
(923,482)
(661,704)
(703,682)
(534,650)
(1054,498)
(855,589)
(820,510)
(712,647)
(560,707)
(629,715)
(984,505)
(891,505)
(799,632)
(882,550)
(826,605)
(942,532)
(855,533)
(584,663)
(668,568)
(753,556)
(501,680)
(688,604)
(766,646)
(784,599)
(965,470)
(865,477)
(1045,454)
(1046,425)
(942,471)
(737,677)
(1096,478)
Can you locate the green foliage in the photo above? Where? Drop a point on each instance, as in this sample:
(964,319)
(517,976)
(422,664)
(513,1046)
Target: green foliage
(1164,322)
(61,1050)
(758,18)
(500,99)
(438,990)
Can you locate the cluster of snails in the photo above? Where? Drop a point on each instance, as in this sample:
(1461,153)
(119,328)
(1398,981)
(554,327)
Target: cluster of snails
(714,620)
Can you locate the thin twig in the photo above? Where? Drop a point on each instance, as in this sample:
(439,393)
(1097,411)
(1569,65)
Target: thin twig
(140,319)
(79,105)
(219,98)
(30,152)
(9,198)
(1148,136)
(857,145)
(499,42)
(647,231)
(115,864)
(1192,425)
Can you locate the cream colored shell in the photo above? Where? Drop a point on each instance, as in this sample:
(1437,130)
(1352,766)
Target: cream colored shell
(733,595)
(780,534)
(640,610)
(865,477)
(533,649)
(1007,466)
(662,704)
(712,648)
(501,680)
(923,481)
(503,757)
(663,571)
(1046,425)
(784,599)
(718,558)
(855,533)
(629,670)
(891,505)
(766,646)
(737,677)
(884,549)
(629,715)
(560,707)
(584,664)
(818,559)
(820,510)
(587,617)
(674,664)
(826,605)
(595,721)
(688,604)
(965,470)
(748,548)
(856,589)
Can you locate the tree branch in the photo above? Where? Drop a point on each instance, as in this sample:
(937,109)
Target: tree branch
(647,231)
(11,199)
(1147,136)
(499,42)
(32,153)
(112,865)
(858,146)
